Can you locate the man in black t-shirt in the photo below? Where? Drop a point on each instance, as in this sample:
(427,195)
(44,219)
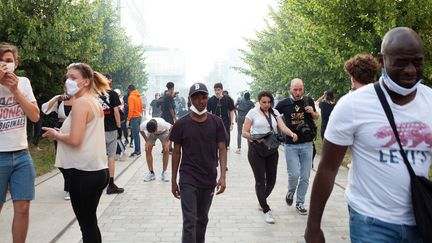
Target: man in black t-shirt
(168,105)
(326,104)
(299,114)
(200,136)
(155,108)
(223,107)
(110,104)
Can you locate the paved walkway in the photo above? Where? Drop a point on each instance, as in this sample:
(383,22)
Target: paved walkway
(147,211)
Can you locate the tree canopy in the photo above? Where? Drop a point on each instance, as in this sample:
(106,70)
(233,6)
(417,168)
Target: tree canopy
(311,40)
(51,34)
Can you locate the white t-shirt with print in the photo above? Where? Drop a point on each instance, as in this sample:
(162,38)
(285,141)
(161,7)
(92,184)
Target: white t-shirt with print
(260,124)
(13,120)
(162,126)
(378,179)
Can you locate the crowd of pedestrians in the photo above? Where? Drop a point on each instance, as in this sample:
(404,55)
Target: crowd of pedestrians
(92,118)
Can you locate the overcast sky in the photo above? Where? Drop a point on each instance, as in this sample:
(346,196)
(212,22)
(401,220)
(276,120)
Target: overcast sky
(203,29)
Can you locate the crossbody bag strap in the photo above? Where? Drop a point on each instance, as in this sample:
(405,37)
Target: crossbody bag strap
(268,118)
(390,118)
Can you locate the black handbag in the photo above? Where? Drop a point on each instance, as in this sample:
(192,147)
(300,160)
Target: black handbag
(270,144)
(421,187)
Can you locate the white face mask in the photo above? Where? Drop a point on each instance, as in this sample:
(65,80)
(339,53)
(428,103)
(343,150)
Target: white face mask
(396,87)
(196,111)
(10,66)
(71,87)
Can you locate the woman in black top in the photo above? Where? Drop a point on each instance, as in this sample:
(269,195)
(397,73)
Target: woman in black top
(326,103)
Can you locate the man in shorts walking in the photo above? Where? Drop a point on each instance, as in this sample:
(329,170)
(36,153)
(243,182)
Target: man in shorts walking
(110,104)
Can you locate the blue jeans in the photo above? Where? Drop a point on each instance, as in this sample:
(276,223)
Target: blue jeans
(364,229)
(299,163)
(135,123)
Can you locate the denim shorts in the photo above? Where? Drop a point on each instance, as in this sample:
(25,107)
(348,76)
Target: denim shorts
(17,172)
(364,229)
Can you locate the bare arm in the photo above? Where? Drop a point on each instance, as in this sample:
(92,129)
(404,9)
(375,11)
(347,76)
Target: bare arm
(81,115)
(246,128)
(281,125)
(320,98)
(117,116)
(175,166)
(47,107)
(31,109)
(143,135)
(221,185)
(331,158)
(171,110)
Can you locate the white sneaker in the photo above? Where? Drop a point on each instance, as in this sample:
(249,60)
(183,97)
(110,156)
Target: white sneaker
(269,217)
(149,177)
(67,196)
(123,157)
(165,176)
(238,151)
(117,157)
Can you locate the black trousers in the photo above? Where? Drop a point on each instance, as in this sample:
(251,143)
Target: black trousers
(228,133)
(85,190)
(265,171)
(195,204)
(66,177)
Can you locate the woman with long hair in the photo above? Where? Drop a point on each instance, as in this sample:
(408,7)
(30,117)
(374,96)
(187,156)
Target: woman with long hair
(81,146)
(257,123)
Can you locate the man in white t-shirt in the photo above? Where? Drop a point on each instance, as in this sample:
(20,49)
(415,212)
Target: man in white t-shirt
(151,130)
(378,191)
(17,173)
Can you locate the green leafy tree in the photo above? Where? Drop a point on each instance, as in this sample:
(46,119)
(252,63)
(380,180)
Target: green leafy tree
(312,40)
(51,34)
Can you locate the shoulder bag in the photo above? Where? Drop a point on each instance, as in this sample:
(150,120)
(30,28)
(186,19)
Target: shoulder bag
(270,144)
(421,187)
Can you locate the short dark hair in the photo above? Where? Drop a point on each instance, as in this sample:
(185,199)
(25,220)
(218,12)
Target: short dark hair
(363,68)
(218,85)
(151,126)
(329,95)
(246,96)
(131,87)
(108,76)
(170,85)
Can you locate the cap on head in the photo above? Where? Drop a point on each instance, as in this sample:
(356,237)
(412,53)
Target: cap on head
(198,88)
(117,91)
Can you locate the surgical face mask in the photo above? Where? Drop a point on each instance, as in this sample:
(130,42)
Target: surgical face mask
(397,88)
(10,66)
(71,87)
(196,111)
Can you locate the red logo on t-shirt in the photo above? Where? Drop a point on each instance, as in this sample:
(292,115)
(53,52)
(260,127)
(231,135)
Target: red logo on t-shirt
(416,132)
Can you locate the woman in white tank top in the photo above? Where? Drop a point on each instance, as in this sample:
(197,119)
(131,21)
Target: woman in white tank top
(81,146)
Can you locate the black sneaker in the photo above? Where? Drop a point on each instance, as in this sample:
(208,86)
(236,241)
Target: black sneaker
(301,209)
(289,198)
(135,155)
(114,189)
